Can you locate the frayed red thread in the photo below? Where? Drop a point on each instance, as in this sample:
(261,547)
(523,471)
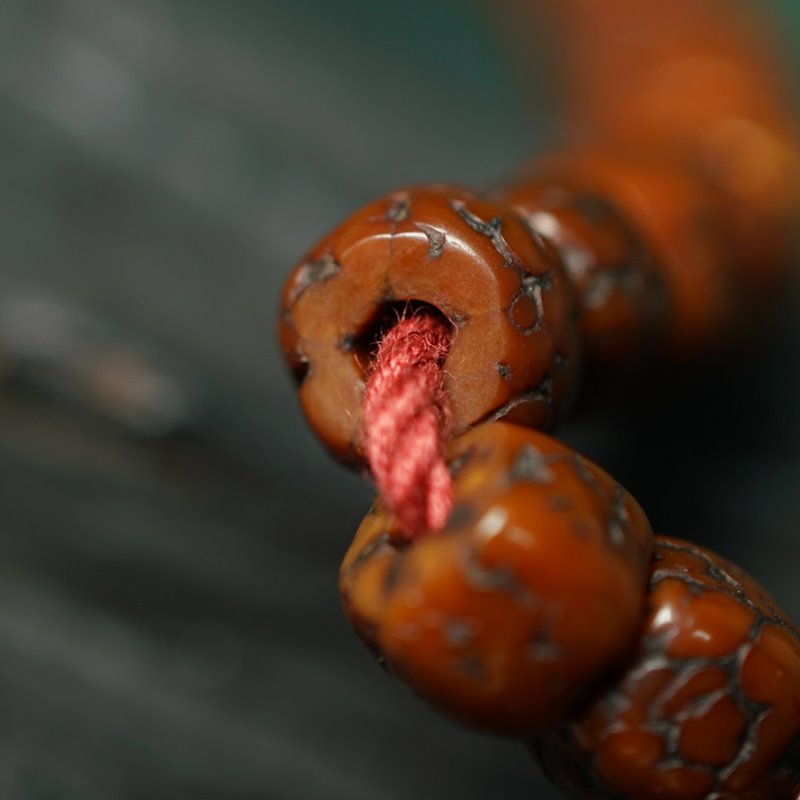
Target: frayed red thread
(406,421)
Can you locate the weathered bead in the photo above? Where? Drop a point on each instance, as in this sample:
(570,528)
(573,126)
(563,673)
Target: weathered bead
(531,593)
(681,220)
(620,293)
(708,707)
(515,348)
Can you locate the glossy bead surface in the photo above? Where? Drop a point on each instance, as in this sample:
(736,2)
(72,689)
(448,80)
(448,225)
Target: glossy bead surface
(620,293)
(709,707)
(681,221)
(515,348)
(534,589)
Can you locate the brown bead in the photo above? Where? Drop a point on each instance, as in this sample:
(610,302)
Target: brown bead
(620,293)
(708,707)
(694,85)
(514,353)
(533,590)
(689,72)
(681,220)
(757,167)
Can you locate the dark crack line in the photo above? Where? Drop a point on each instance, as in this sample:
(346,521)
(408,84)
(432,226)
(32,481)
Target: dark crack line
(399,209)
(380,543)
(542,392)
(313,272)
(531,287)
(436,239)
(492,230)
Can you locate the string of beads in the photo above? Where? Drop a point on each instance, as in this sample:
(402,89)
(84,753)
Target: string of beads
(505,578)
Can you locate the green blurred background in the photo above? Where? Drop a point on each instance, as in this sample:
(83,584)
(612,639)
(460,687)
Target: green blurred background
(169,624)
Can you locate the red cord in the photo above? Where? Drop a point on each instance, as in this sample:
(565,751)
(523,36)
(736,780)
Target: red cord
(406,421)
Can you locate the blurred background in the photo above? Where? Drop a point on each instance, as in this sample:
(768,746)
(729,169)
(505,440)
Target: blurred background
(170,532)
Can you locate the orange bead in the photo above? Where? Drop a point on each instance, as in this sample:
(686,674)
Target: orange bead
(533,590)
(697,86)
(515,347)
(681,221)
(709,706)
(620,291)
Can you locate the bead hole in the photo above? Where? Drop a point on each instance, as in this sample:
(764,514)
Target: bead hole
(364,345)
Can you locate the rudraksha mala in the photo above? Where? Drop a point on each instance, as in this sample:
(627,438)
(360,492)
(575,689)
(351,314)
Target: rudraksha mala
(508,580)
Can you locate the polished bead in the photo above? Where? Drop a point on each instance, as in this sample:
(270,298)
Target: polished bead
(534,589)
(709,705)
(681,221)
(620,292)
(515,346)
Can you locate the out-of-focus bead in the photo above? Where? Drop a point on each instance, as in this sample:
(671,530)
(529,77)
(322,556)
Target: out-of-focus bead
(681,221)
(620,291)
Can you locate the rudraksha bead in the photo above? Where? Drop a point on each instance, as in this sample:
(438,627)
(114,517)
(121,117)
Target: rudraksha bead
(620,293)
(515,347)
(708,707)
(530,594)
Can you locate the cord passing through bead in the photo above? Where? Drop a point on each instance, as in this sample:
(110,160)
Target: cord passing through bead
(407,420)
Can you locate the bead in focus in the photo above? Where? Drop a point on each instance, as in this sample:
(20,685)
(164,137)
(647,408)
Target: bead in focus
(515,346)
(530,594)
(709,706)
